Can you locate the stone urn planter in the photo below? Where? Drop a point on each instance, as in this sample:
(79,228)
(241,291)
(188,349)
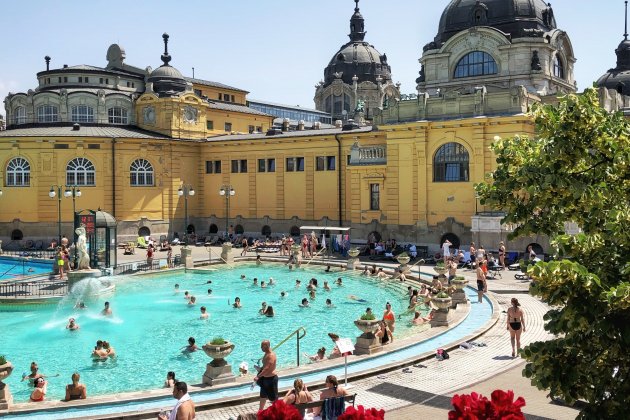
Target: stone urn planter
(459,296)
(226,253)
(442,303)
(6,399)
(441,315)
(367,343)
(353,261)
(218,371)
(440,269)
(403,259)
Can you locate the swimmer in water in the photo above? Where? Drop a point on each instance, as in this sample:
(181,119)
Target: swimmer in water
(186,295)
(329,303)
(339,281)
(72,325)
(326,286)
(109,350)
(204,314)
(311,294)
(209,292)
(271,281)
(358,299)
(237,302)
(192,301)
(243,277)
(255,281)
(191,347)
(305,303)
(106,310)
(263,308)
(298,283)
(283,294)
(176,288)
(262,284)
(99,352)
(80,305)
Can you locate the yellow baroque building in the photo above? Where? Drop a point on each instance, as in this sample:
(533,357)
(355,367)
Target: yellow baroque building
(137,141)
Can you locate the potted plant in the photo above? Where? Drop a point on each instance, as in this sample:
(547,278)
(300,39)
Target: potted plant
(440,268)
(442,300)
(368,324)
(218,349)
(6,368)
(403,258)
(459,282)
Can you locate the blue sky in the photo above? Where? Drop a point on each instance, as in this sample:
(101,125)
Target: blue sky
(276,49)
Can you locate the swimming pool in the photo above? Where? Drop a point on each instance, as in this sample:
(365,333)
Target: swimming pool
(151,323)
(14,268)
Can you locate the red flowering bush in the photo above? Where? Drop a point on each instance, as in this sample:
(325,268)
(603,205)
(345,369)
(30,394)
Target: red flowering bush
(501,406)
(361,413)
(279,410)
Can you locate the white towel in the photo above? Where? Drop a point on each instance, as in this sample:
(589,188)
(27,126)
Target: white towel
(182,400)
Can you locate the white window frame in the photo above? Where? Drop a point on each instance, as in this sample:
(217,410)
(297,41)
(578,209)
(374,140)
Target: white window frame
(82,114)
(19,115)
(47,113)
(117,115)
(141,173)
(18,173)
(80,172)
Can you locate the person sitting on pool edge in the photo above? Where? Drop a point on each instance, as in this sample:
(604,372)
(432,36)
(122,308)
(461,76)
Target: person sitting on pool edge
(76,390)
(335,351)
(419,320)
(319,356)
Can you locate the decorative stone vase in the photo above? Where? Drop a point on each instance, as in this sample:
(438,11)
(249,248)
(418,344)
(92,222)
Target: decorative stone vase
(6,399)
(403,259)
(353,261)
(459,283)
(186,255)
(218,371)
(459,296)
(440,270)
(442,303)
(367,343)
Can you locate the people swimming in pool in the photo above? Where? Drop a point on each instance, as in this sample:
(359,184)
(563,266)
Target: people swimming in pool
(271,281)
(326,286)
(305,303)
(72,325)
(283,294)
(176,290)
(255,283)
(237,302)
(263,308)
(187,295)
(191,347)
(298,283)
(107,311)
(204,313)
(262,284)
(269,312)
(243,277)
(356,298)
(329,303)
(339,282)
(209,292)
(311,295)
(192,301)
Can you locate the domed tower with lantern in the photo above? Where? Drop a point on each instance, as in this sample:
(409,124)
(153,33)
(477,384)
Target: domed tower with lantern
(357,77)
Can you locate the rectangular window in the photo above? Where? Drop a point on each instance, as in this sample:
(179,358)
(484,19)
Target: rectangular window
(65,79)
(82,113)
(239,166)
(348,160)
(80,79)
(61,146)
(209,167)
(271,165)
(320,163)
(330,163)
(59,80)
(262,165)
(87,79)
(259,129)
(94,146)
(243,165)
(290,164)
(299,164)
(220,96)
(232,98)
(210,125)
(375,197)
(235,166)
(217,166)
(100,80)
(228,127)
(47,113)
(251,129)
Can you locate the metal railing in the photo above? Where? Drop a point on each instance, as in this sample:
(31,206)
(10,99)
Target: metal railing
(298,336)
(33,253)
(135,266)
(33,289)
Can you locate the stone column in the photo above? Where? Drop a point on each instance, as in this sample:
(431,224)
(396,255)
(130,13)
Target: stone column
(440,318)
(187,257)
(226,254)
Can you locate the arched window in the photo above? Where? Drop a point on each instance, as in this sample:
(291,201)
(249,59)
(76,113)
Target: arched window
(82,114)
(144,231)
(476,63)
(17,235)
(238,229)
(19,115)
(214,228)
(18,173)
(141,173)
(450,163)
(80,171)
(558,67)
(452,238)
(295,231)
(47,113)
(117,115)
(266,230)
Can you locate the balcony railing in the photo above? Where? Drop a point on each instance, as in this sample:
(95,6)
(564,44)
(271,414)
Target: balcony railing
(368,155)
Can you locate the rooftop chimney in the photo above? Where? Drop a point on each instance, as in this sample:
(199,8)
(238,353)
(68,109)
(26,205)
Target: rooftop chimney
(76,127)
(300,126)
(285,124)
(47,59)
(338,123)
(317,125)
(65,66)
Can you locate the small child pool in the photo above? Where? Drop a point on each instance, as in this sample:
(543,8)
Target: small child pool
(151,323)
(14,268)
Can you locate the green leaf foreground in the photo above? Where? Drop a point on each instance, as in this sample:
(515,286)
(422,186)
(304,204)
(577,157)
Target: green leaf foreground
(576,170)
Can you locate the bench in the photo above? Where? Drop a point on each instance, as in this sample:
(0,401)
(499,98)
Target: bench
(320,403)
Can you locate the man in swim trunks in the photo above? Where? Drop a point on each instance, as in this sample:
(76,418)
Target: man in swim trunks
(106,310)
(267,379)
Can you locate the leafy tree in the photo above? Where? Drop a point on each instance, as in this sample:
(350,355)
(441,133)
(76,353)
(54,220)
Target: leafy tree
(577,169)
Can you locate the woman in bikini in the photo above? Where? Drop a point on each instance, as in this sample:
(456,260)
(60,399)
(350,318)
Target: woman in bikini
(384,333)
(39,393)
(515,324)
(502,254)
(76,390)
(388,316)
(299,394)
(482,285)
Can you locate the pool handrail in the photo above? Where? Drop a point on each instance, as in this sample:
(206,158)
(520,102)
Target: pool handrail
(316,254)
(298,336)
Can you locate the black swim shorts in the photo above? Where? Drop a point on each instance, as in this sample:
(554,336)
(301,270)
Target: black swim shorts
(268,387)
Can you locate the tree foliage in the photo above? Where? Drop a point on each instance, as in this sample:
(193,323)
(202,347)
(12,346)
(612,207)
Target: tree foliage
(576,170)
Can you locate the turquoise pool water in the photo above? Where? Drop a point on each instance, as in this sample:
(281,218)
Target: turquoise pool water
(479,315)
(14,268)
(151,324)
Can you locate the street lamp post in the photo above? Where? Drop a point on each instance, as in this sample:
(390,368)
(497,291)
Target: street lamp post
(185,191)
(75,193)
(227,191)
(52,194)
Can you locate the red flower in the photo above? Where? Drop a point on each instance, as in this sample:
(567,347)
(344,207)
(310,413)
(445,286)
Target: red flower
(279,410)
(477,407)
(362,413)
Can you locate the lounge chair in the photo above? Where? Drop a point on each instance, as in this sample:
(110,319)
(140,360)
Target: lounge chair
(142,243)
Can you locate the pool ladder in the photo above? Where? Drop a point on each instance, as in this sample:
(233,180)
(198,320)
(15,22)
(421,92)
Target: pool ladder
(299,334)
